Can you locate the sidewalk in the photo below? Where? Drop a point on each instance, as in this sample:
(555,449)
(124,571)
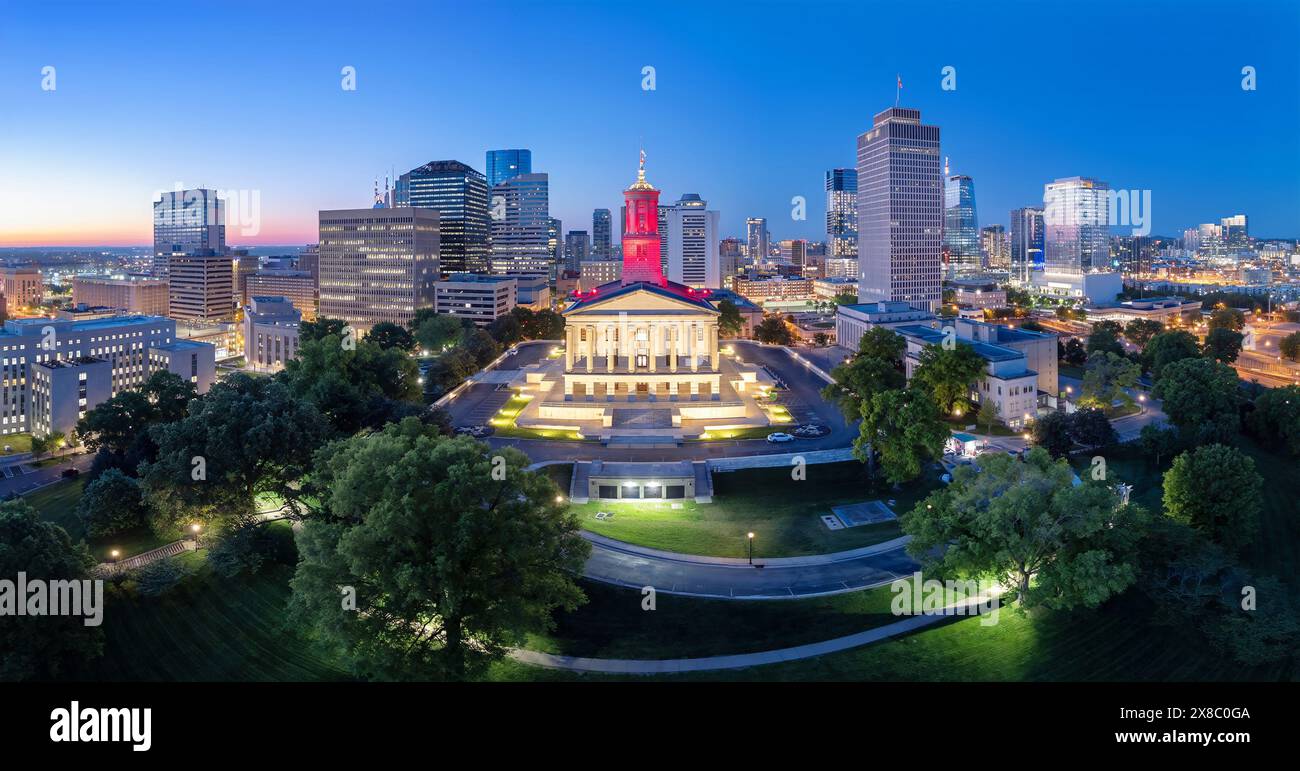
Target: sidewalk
(741,660)
(741,562)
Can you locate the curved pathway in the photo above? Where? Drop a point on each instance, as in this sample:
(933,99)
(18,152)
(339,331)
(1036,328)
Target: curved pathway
(625,564)
(742,660)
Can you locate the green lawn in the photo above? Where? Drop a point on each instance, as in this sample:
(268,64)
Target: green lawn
(613,624)
(784,514)
(210,628)
(19,442)
(58,503)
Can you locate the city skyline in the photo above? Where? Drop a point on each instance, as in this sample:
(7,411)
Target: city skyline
(285,129)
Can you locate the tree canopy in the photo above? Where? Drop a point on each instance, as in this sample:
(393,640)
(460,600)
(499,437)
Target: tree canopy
(1200,397)
(1061,545)
(343,383)
(904,427)
(1215,489)
(1223,344)
(948,374)
(453,551)
(1168,347)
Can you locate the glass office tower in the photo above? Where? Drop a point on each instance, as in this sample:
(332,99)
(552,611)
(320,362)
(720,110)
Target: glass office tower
(505,165)
(460,195)
(842,212)
(961,226)
(1026,242)
(1076,212)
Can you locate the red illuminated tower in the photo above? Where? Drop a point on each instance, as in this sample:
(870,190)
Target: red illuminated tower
(641,232)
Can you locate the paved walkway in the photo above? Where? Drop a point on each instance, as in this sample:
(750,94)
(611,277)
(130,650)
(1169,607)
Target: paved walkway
(781,578)
(740,660)
(140,560)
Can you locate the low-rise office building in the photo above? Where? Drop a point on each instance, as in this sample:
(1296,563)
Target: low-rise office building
(129,294)
(55,354)
(298,286)
(978,294)
(478,297)
(1166,310)
(23,288)
(1007,382)
(852,321)
(831,287)
(271,325)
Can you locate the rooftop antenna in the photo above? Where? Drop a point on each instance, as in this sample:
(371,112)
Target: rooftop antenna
(898,92)
(945,165)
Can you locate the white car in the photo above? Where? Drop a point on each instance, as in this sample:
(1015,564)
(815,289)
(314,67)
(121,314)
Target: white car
(779,437)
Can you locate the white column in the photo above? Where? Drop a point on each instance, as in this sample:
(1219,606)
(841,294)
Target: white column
(672,348)
(610,353)
(654,333)
(693,349)
(591,347)
(714,353)
(570,345)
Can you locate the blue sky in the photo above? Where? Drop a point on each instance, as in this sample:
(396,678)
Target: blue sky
(752,104)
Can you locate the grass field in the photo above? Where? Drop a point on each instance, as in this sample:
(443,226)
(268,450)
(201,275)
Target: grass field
(58,504)
(19,443)
(210,628)
(613,624)
(784,514)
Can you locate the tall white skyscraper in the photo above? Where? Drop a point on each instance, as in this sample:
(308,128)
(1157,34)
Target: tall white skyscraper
(900,210)
(693,256)
(758,241)
(1076,215)
(520,223)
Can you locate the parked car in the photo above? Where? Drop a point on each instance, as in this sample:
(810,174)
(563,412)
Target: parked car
(70,473)
(779,437)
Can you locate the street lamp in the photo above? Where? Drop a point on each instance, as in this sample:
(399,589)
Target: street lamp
(559,499)
(114,553)
(751,548)
(194,528)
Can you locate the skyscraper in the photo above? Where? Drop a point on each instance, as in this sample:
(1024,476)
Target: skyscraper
(961,226)
(505,165)
(187,221)
(900,210)
(641,231)
(521,234)
(1027,235)
(601,236)
(460,195)
(377,264)
(995,247)
(842,213)
(730,255)
(555,240)
(1076,212)
(1236,234)
(577,247)
(693,257)
(757,239)
(201,286)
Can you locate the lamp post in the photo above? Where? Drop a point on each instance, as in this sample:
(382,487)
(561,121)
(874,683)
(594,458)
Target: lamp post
(195,529)
(113,555)
(751,548)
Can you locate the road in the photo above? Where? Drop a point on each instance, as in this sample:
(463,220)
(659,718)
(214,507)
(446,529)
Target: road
(24,483)
(637,567)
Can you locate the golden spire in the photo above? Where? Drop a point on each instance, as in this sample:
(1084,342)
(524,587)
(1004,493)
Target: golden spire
(641,183)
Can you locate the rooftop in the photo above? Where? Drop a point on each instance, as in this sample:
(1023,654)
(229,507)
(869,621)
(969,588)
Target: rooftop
(986,351)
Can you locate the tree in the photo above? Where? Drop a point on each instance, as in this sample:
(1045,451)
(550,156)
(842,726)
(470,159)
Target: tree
(905,428)
(1059,545)
(1157,442)
(507,329)
(1289,346)
(1268,632)
(481,346)
(451,562)
(1215,489)
(847,298)
(112,504)
(1276,418)
(1140,331)
(170,395)
(1200,397)
(1052,433)
(448,371)
(858,379)
(1090,428)
(821,339)
(1105,337)
(117,422)
(40,446)
(388,335)
(342,382)
(1223,344)
(161,576)
(247,437)
(321,328)
(47,646)
(883,343)
(1073,353)
(730,324)
(948,375)
(987,415)
(433,331)
(1167,348)
(1227,318)
(773,330)
(1107,379)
